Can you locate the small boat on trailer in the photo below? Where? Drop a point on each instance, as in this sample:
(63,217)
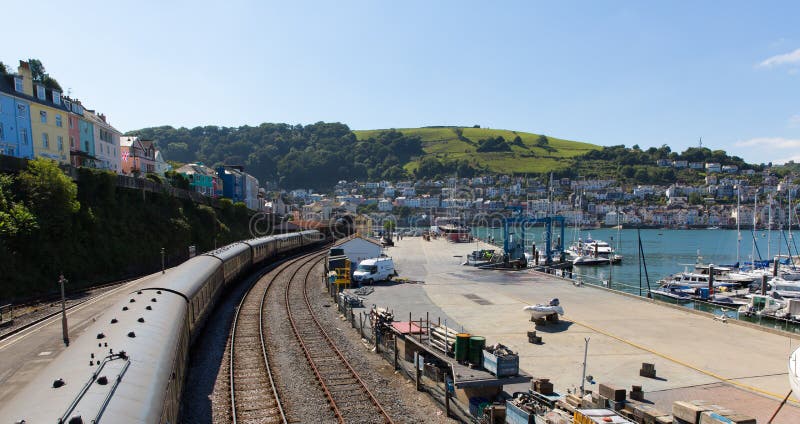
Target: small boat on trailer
(540,311)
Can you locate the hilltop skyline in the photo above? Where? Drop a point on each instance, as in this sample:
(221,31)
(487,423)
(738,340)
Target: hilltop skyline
(621,73)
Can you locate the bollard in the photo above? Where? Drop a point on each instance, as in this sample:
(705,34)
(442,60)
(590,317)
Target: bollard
(763,285)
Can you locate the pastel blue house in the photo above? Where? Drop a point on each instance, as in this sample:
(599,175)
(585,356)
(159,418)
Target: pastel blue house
(232,182)
(87,137)
(15,127)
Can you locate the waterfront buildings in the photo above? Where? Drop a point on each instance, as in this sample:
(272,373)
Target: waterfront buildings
(15,120)
(138,156)
(240,186)
(202,179)
(33,118)
(106,142)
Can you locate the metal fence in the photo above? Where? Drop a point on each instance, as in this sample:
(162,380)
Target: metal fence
(432,379)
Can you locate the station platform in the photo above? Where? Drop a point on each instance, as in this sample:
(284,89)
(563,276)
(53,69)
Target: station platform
(695,356)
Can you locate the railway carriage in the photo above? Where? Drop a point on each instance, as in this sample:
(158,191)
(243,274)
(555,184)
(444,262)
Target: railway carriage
(129,365)
(236,258)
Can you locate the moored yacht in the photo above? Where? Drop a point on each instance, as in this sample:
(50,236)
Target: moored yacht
(593,252)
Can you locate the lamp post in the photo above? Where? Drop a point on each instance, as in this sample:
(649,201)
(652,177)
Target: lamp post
(64,327)
(583,377)
(162,260)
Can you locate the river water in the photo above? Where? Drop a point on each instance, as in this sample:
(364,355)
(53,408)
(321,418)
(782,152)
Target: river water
(665,252)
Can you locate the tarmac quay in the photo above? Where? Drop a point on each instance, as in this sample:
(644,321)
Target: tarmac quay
(24,354)
(695,356)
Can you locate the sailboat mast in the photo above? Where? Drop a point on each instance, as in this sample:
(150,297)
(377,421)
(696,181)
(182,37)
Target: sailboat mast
(738,226)
(769,228)
(755,211)
(790,219)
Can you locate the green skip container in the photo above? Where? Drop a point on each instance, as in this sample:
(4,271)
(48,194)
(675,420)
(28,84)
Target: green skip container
(462,346)
(476,345)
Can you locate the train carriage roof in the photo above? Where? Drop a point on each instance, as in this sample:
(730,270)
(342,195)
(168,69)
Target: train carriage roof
(188,278)
(145,368)
(229,251)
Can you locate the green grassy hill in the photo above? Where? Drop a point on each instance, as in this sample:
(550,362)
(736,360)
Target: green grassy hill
(444,142)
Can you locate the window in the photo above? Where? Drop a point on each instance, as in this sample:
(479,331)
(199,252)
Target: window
(71,123)
(45,140)
(56,97)
(43,116)
(60,143)
(40,92)
(71,140)
(22,111)
(18,85)
(11,151)
(86,144)
(23,136)
(58,120)
(1,131)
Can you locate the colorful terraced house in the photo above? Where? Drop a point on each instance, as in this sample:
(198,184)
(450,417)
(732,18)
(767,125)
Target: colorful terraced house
(48,115)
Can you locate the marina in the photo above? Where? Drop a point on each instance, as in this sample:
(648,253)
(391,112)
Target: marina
(624,332)
(682,259)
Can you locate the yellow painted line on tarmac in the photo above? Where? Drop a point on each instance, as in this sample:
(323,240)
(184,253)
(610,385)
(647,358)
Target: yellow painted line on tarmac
(39,326)
(675,360)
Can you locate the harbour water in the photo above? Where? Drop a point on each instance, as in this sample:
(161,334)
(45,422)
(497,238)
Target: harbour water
(665,252)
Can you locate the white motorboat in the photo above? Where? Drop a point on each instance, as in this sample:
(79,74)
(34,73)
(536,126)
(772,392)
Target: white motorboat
(541,311)
(694,280)
(590,260)
(785,288)
(593,252)
(791,310)
(725,274)
(760,304)
(674,291)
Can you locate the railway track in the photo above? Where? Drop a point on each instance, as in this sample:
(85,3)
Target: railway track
(254,396)
(348,396)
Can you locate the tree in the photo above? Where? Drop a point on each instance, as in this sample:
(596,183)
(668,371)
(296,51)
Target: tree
(37,70)
(15,218)
(52,195)
(541,141)
(39,74)
(389,225)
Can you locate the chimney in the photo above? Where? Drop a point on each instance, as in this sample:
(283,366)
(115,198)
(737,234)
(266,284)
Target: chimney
(103,117)
(27,77)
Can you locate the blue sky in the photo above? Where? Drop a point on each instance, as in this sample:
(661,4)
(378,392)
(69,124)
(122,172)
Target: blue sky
(613,72)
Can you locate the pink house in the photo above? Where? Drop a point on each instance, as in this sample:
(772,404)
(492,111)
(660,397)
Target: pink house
(138,156)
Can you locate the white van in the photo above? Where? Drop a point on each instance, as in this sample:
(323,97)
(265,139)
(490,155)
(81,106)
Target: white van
(372,270)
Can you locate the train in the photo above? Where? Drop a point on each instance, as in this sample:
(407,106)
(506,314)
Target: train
(129,366)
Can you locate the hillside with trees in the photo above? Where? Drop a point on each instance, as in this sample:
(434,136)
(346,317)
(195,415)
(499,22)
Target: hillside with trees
(314,155)
(318,155)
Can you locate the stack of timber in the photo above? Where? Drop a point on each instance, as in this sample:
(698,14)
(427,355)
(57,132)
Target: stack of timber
(442,338)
